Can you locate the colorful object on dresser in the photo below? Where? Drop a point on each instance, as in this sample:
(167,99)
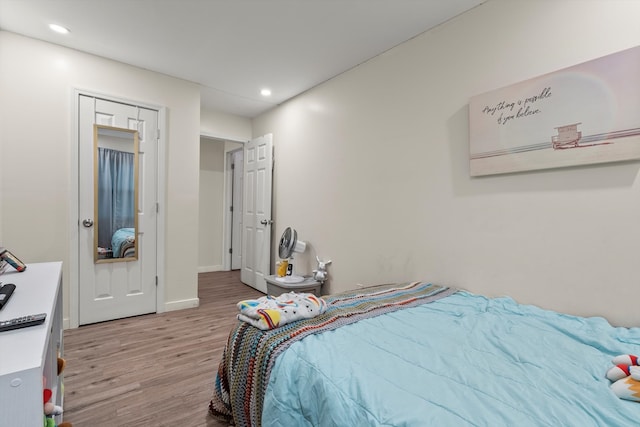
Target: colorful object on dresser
(46,395)
(61,365)
(625,376)
(12,260)
(270,312)
(52,410)
(50,422)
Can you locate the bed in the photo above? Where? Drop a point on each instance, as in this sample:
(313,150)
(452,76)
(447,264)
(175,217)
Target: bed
(416,354)
(123,243)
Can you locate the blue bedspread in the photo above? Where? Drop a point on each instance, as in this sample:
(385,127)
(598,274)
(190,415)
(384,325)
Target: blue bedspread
(464,360)
(120,237)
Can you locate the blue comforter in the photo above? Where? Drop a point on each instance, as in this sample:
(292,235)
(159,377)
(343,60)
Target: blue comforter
(119,238)
(464,360)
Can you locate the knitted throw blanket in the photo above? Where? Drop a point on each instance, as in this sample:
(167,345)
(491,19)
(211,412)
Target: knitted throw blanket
(249,355)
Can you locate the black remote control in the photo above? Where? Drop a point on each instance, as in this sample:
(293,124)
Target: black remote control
(5,293)
(22,322)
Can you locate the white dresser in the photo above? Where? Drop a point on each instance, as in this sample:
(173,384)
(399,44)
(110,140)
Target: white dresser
(28,356)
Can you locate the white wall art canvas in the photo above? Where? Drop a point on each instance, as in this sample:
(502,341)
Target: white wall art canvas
(584,114)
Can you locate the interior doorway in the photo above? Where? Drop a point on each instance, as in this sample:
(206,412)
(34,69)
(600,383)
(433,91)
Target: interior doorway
(220,200)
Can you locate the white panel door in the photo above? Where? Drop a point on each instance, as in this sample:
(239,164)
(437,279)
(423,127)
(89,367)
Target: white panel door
(113,290)
(256,245)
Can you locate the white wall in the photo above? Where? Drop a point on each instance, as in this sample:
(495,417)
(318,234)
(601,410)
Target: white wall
(210,234)
(36,87)
(373,169)
(225,126)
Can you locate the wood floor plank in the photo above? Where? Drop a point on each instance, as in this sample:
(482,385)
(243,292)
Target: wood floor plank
(156,369)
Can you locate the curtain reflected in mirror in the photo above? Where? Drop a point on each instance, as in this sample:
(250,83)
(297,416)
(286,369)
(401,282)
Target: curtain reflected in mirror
(116,194)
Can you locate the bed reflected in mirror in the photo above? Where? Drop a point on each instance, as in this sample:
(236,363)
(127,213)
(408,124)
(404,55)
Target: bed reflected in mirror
(116,194)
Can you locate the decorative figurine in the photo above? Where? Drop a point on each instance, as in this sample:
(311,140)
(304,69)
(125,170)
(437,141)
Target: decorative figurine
(320,274)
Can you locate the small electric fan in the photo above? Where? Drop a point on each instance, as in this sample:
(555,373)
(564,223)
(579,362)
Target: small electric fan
(289,244)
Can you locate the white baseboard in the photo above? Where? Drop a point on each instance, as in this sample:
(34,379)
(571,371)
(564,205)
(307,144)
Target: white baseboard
(182,304)
(210,268)
(169,306)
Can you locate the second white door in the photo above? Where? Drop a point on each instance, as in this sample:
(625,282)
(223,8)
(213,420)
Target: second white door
(256,208)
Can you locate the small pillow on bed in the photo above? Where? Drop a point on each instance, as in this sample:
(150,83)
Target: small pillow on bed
(626,377)
(628,388)
(270,312)
(622,364)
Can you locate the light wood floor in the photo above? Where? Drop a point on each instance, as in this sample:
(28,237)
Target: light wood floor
(152,370)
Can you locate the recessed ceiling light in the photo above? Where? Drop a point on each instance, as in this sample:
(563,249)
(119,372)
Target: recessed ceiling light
(265,92)
(59,29)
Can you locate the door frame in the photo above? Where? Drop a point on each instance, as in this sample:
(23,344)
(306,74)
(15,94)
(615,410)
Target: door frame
(231,172)
(74,205)
(226,203)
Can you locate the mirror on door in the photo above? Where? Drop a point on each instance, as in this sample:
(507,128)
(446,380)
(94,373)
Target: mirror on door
(115,194)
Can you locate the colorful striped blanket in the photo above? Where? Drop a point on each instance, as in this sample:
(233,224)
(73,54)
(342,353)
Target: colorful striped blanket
(247,360)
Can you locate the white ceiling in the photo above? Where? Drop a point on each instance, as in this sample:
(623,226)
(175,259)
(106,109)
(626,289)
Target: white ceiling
(234,48)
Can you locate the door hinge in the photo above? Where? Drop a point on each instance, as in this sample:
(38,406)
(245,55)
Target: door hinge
(233,165)
(156,280)
(157,207)
(230,250)
(231,208)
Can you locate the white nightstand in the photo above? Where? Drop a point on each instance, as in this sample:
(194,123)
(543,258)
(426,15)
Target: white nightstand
(308,285)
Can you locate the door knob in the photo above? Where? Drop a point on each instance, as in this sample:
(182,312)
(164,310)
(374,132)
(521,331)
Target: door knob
(266,221)
(87,222)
